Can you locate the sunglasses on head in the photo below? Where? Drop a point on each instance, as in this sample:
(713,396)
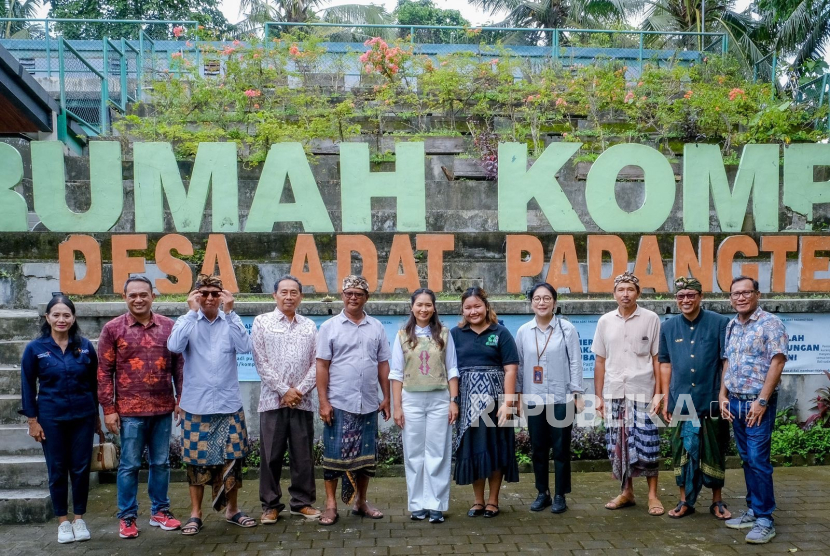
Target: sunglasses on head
(210,294)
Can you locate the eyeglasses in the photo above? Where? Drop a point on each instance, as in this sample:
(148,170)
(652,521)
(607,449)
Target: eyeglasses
(682,296)
(545,299)
(210,294)
(356,295)
(746,294)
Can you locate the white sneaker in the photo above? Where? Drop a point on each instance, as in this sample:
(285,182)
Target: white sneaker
(80,530)
(65,534)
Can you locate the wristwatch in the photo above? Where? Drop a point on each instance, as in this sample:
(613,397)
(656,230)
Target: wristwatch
(454,400)
(762,402)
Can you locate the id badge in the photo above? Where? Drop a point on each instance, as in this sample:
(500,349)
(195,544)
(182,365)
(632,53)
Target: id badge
(537,374)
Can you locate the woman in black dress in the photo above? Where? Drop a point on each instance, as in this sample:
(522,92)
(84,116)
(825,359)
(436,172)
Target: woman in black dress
(488,365)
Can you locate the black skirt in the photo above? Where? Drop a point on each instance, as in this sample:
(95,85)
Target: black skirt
(483,450)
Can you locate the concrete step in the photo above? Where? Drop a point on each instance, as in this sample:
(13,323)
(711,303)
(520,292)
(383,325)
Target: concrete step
(15,441)
(27,471)
(11,351)
(32,505)
(9,379)
(9,407)
(19,324)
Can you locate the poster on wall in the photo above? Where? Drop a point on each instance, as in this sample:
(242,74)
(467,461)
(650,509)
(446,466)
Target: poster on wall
(809,346)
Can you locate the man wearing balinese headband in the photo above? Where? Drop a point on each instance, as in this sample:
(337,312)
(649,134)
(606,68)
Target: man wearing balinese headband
(691,360)
(626,378)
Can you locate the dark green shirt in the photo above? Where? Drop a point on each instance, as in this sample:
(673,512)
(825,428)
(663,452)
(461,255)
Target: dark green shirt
(695,351)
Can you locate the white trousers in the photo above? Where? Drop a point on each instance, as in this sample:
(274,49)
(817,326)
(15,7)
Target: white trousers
(426,448)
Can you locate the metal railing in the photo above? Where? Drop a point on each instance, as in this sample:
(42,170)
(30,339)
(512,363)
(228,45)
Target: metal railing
(566,46)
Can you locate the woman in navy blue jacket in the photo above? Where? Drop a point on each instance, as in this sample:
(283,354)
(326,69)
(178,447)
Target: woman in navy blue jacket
(60,398)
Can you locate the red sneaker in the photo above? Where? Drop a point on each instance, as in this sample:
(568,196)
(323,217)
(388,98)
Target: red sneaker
(128,528)
(165,520)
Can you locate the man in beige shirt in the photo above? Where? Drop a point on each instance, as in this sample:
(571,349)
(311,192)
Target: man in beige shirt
(626,375)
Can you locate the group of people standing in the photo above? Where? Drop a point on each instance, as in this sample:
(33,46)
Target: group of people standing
(458,394)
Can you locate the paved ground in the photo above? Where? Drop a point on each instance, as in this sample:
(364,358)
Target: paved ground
(802,521)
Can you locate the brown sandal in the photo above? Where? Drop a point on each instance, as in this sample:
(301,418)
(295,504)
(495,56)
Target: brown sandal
(655,507)
(619,502)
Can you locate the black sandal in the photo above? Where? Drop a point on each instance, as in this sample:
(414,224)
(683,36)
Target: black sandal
(491,513)
(689,510)
(476,510)
(721,507)
(192,526)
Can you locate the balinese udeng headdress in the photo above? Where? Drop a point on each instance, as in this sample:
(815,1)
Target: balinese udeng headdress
(626,277)
(355,281)
(208,280)
(690,283)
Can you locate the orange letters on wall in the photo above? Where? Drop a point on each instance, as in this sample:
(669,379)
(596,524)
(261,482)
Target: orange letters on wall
(778,246)
(216,254)
(368,253)
(435,245)
(686,263)
(172,266)
(619,259)
(306,250)
(517,246)
(649,255)
(726,254)
(564,255)
(122,264)
(400,255)
(91,251)
(810,263)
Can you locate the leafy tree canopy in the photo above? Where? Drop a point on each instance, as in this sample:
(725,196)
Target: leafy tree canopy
(206,12)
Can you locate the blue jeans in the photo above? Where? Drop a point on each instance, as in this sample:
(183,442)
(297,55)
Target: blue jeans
(136,434)
(754,448)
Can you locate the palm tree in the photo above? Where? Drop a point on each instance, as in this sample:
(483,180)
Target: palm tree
(799,29)
(685,16)
(19,9)
(259,12)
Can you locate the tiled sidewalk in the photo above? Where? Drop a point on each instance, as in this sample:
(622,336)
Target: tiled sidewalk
(802,522)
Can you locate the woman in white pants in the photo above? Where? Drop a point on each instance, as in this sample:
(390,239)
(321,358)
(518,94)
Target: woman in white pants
(424,378)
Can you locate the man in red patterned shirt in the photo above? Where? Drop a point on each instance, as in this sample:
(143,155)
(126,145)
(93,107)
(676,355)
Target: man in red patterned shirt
(136,376)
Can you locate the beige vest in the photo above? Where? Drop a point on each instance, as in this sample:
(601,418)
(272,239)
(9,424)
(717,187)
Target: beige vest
(424,369)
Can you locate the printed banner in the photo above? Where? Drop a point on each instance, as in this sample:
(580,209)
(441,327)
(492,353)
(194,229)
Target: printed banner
(809,348)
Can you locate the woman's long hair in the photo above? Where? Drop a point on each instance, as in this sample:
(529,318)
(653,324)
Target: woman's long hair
(74,330)
(475,291)
(434,322)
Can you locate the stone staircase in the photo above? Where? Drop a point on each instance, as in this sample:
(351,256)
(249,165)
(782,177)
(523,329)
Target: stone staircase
(24,488)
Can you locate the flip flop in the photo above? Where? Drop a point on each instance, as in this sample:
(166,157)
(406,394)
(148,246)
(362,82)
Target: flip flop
(371,513)
(239,518)
(619,502)
(722,507)
(192,526)
(689,510)
(655,508)
(328,517)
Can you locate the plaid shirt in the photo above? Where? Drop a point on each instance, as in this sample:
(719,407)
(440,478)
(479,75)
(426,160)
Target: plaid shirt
(750,348)
(136,371)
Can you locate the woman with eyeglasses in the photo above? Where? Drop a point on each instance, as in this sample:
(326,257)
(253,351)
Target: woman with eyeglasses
(424,379)
(550,381)
(59,384)
(485,445)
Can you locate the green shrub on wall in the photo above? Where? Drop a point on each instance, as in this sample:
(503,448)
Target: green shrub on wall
(282,91)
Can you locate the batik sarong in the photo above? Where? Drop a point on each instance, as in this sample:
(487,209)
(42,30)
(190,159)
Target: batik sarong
(698,455)
(633,441)
(213,447)
(480,446)
(350,449)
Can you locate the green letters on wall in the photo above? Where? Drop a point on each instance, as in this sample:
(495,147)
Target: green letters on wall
(659,186)
(105,187)
(518,185)
(757,173)
(801,191)
(13,209)
(358,185)
(156,174)
(287,161)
